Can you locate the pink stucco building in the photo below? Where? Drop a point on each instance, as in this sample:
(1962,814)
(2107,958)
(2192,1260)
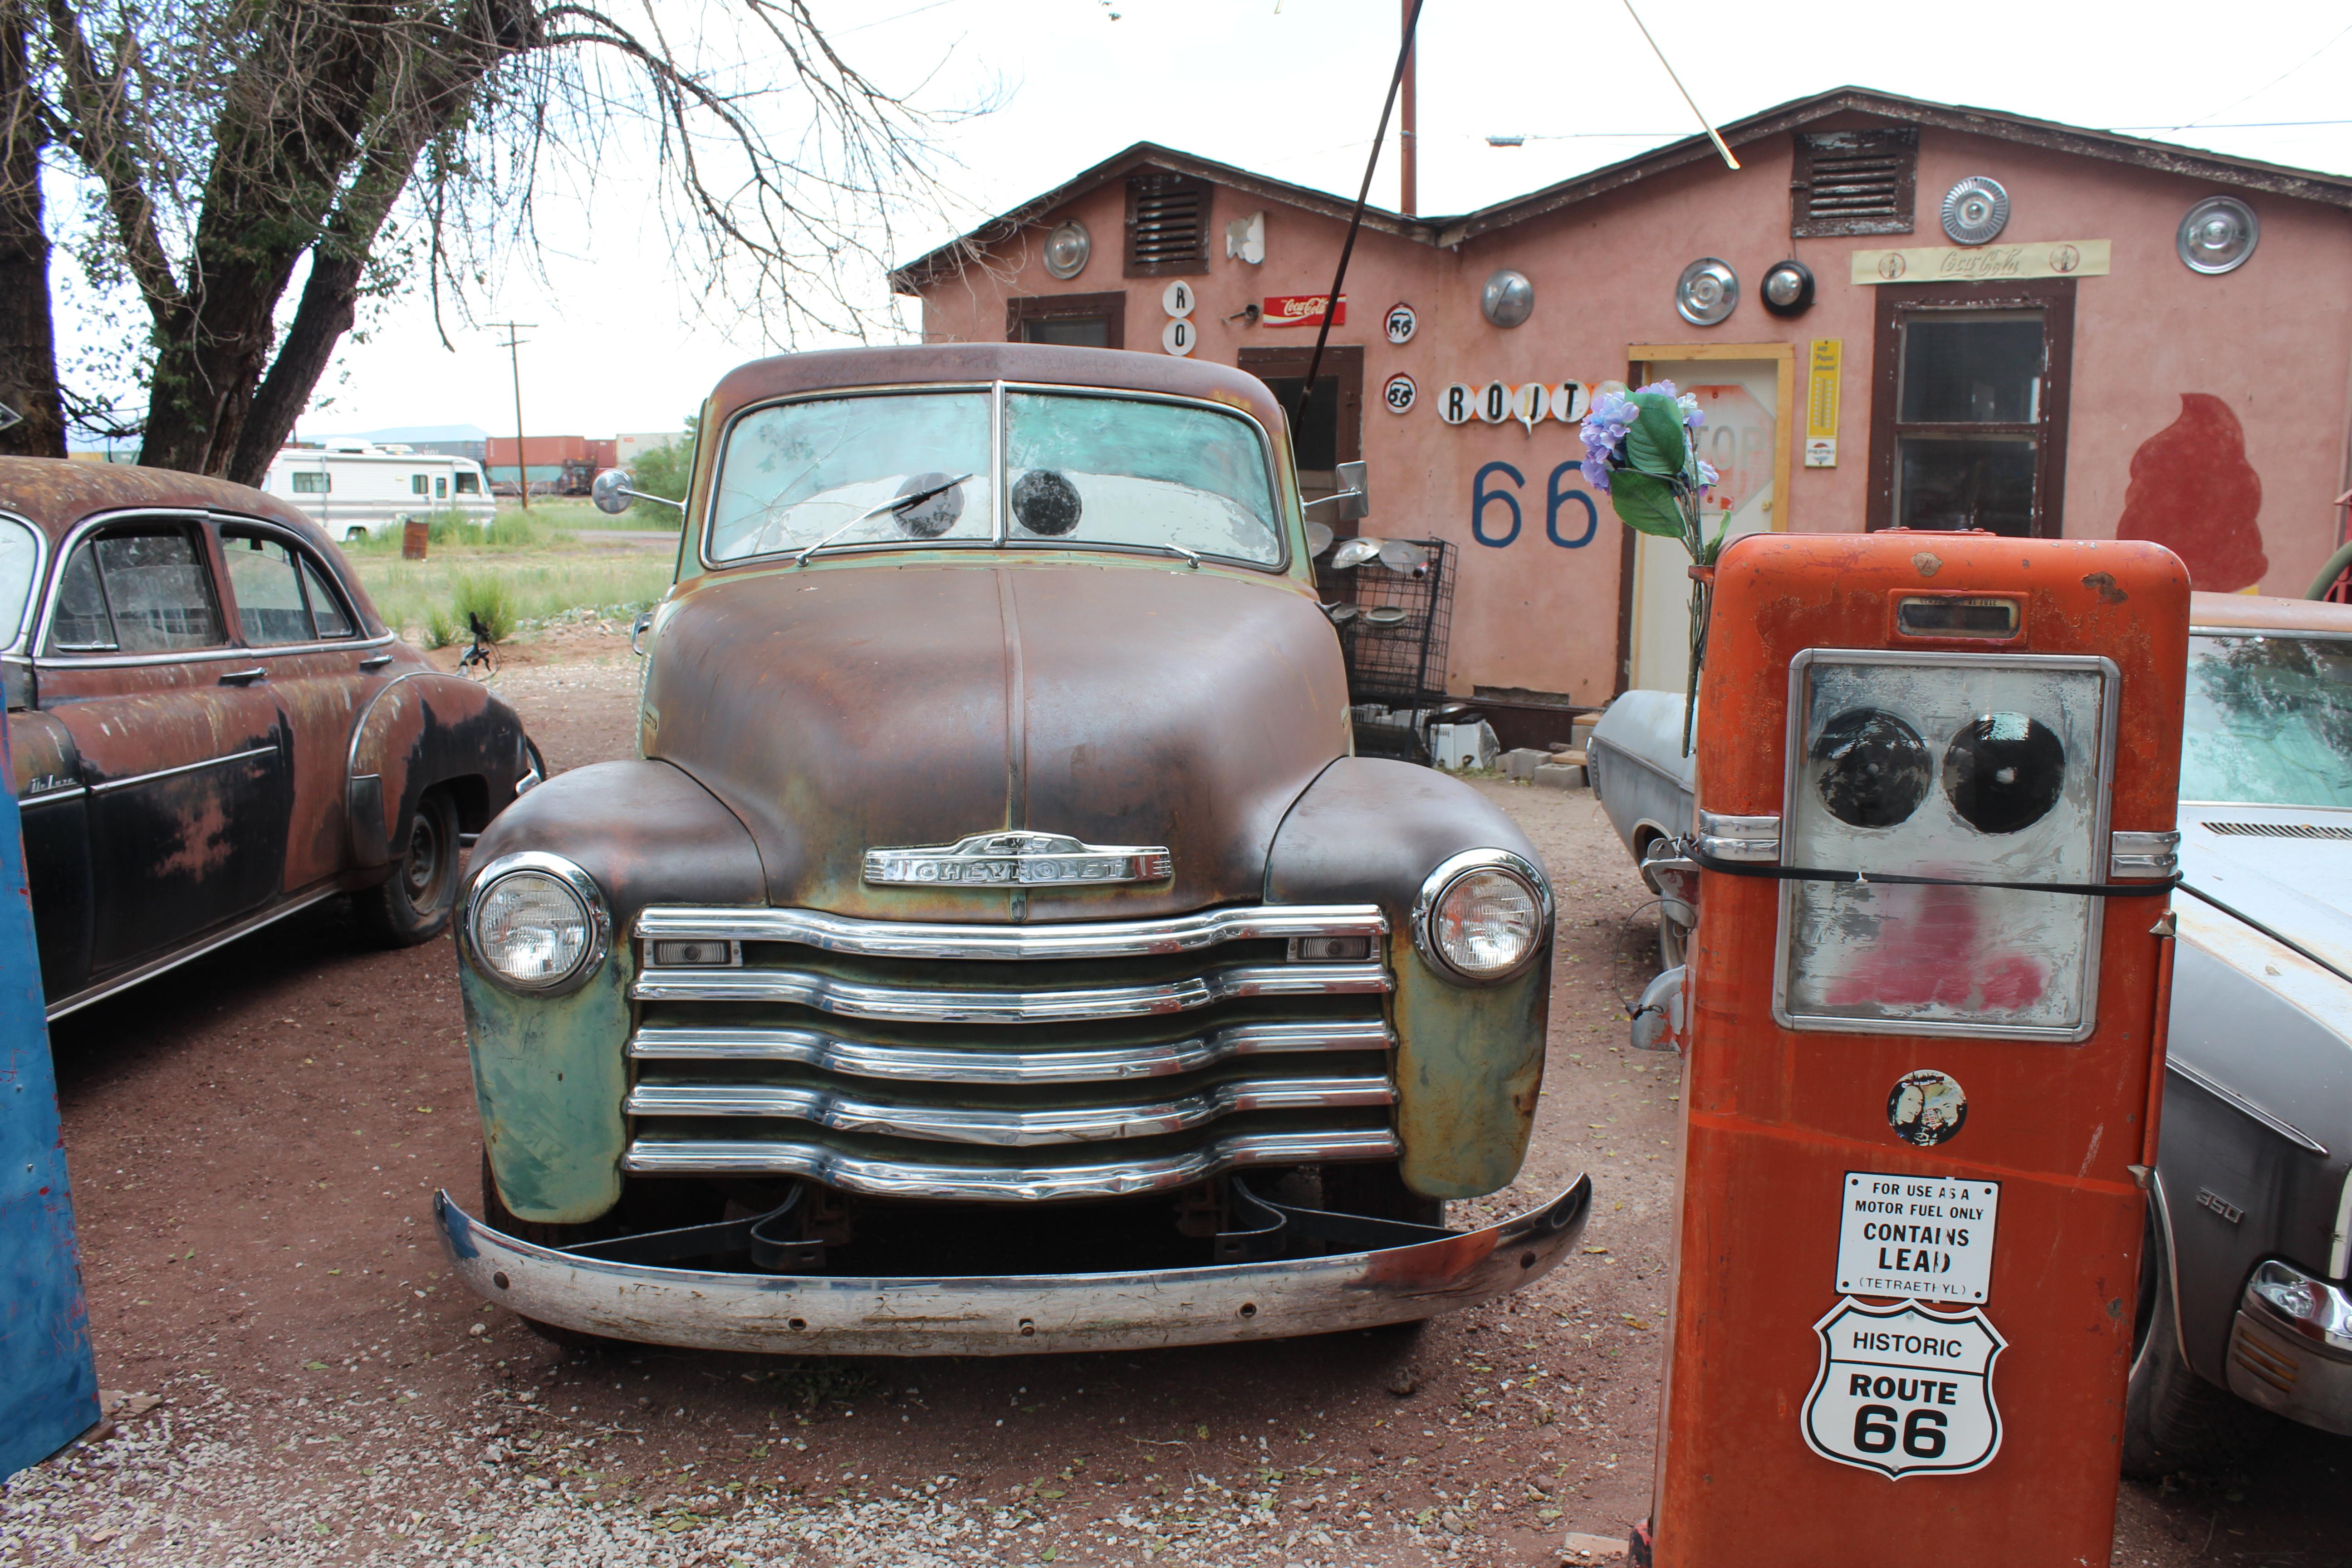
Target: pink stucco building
(2155,343)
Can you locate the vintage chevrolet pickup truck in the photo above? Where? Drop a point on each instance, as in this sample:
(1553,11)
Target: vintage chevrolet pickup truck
(997,946)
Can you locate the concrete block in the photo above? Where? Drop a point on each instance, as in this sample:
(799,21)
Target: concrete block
(1560,775)
(1522,763)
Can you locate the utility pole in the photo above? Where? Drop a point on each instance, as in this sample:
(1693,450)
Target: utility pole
(1408,145)
(513,345)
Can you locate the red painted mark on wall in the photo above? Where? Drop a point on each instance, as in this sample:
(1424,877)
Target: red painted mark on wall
(2193,492)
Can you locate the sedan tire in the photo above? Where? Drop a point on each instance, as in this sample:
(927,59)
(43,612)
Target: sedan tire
(2174,1419)
(413,904)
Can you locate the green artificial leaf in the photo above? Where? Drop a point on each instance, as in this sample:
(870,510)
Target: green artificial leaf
(1657,442)
(1645,503)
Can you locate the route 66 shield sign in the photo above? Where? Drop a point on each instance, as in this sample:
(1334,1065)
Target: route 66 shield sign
(1904,1391)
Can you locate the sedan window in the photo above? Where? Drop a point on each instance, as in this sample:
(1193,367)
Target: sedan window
(2269,721)
(799,472)
(326,608)
(20,553)
(145,592)
(270,607)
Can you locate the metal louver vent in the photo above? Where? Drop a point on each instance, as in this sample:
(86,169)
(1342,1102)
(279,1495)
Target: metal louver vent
(2278,830)
(1853,182)
(1167,225)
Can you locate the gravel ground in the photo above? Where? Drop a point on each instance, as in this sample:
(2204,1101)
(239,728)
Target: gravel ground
(254,1144)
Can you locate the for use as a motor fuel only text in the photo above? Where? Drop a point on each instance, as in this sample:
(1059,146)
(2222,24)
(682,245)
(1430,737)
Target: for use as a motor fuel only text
(1937,776)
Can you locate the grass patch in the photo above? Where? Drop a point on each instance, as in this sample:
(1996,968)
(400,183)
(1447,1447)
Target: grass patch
(579,511)
(515,574)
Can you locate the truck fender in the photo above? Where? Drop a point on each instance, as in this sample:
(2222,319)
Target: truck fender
(1469,1059)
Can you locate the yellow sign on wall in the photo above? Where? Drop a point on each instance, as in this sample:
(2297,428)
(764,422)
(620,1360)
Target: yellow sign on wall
(1822,404)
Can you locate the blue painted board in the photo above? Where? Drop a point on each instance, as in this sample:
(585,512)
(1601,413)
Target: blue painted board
(49,1383)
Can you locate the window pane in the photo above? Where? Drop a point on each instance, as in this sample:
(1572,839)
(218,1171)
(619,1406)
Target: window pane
(82,623)
(1964,481)
(416,484)
(1070,332)
(326,609)
(268,599)
(158,589)
(309,484)
(2269,721)
(1109,471)
(469,484)
(18,551)
(440,486)
(1971,368)
(798,472)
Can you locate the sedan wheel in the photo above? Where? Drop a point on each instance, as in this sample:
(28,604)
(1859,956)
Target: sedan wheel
(2174,1419)
(413,905)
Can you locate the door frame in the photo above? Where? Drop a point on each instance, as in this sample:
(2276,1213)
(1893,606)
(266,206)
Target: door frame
(1639,357)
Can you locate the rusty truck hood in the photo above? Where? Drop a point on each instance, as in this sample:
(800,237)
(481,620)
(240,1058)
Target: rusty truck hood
(845,707)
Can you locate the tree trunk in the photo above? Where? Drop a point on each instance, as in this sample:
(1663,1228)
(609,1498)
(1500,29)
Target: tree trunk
(28,351)
(329,305)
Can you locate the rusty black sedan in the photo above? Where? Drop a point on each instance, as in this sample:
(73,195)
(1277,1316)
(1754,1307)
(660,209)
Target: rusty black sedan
(211,729)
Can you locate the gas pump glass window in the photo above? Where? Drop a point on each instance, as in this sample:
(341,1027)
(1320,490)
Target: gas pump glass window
(2269,721)
(1986,767)
(795,474)
(1114,471)
(1967,425)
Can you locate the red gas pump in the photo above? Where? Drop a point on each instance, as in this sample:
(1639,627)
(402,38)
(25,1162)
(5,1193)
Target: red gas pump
(1924,1002)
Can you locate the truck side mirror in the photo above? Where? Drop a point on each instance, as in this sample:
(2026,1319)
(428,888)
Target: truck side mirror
(611,491)
(1355,491)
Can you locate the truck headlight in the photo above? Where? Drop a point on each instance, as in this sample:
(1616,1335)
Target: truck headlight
(1482,915)
(536,922)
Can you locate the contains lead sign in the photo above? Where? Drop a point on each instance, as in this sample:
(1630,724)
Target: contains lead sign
(1929,1237)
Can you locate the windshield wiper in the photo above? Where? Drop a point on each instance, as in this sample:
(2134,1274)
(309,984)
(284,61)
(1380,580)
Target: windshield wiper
(896,503)
(1191,557)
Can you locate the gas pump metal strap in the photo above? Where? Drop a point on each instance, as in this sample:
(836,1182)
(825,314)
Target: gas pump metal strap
(1699,856)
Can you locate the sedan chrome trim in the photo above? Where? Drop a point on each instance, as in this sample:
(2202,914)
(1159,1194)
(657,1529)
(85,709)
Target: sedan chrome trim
(901,1178)
(854,999)
(124,981)
(1092,938)
(249,752)
(1755,840)
(1016,1314)
(2143,854)
(839,1112)
(2237,1101)
(931,1064)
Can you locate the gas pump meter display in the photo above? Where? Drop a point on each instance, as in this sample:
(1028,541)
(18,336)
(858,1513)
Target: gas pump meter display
(1970,767)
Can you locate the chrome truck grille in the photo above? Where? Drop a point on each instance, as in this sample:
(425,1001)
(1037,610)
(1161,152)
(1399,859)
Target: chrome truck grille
(995,1063)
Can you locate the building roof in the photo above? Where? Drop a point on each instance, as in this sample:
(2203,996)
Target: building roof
(2245,174)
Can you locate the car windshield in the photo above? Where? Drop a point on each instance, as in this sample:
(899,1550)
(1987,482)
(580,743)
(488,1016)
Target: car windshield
(1079,470)
(2269,721)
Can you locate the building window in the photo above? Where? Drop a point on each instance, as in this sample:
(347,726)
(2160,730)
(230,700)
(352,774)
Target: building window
(1073,320)
(1167,225)
(309,484)
(416,484)
(1853,182)
(469,484)
(1968,409)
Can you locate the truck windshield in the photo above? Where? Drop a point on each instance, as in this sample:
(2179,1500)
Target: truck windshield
(1079,470)
(2269,721)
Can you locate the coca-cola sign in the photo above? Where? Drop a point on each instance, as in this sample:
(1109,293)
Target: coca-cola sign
(1302,310)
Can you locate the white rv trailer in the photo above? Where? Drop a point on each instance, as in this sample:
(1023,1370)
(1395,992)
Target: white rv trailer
(356,487)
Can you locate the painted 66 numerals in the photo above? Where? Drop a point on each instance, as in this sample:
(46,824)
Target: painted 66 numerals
(1904,1391)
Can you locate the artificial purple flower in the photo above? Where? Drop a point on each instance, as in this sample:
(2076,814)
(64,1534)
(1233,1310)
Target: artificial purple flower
(1596,473)
(1707,474)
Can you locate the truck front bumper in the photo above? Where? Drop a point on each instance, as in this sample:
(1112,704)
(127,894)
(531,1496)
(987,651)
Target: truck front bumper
(1010,1314)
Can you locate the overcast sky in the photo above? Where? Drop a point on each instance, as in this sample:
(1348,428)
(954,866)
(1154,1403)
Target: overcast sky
(1293,88)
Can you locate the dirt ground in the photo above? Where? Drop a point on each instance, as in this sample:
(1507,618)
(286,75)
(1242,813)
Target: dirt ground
(255,1142)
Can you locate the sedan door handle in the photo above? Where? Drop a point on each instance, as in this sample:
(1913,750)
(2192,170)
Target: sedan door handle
(375,661)
(243,676)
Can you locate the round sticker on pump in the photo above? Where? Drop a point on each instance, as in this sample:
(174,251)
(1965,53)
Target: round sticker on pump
(1927,1108)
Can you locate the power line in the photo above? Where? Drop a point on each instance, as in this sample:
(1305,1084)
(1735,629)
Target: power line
(2270,84)
(513,345)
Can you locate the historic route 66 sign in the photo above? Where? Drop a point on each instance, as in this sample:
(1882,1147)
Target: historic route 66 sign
(1904,1391)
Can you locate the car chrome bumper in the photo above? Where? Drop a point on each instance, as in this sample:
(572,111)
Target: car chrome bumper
(1010,1314)
(2291,1348)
